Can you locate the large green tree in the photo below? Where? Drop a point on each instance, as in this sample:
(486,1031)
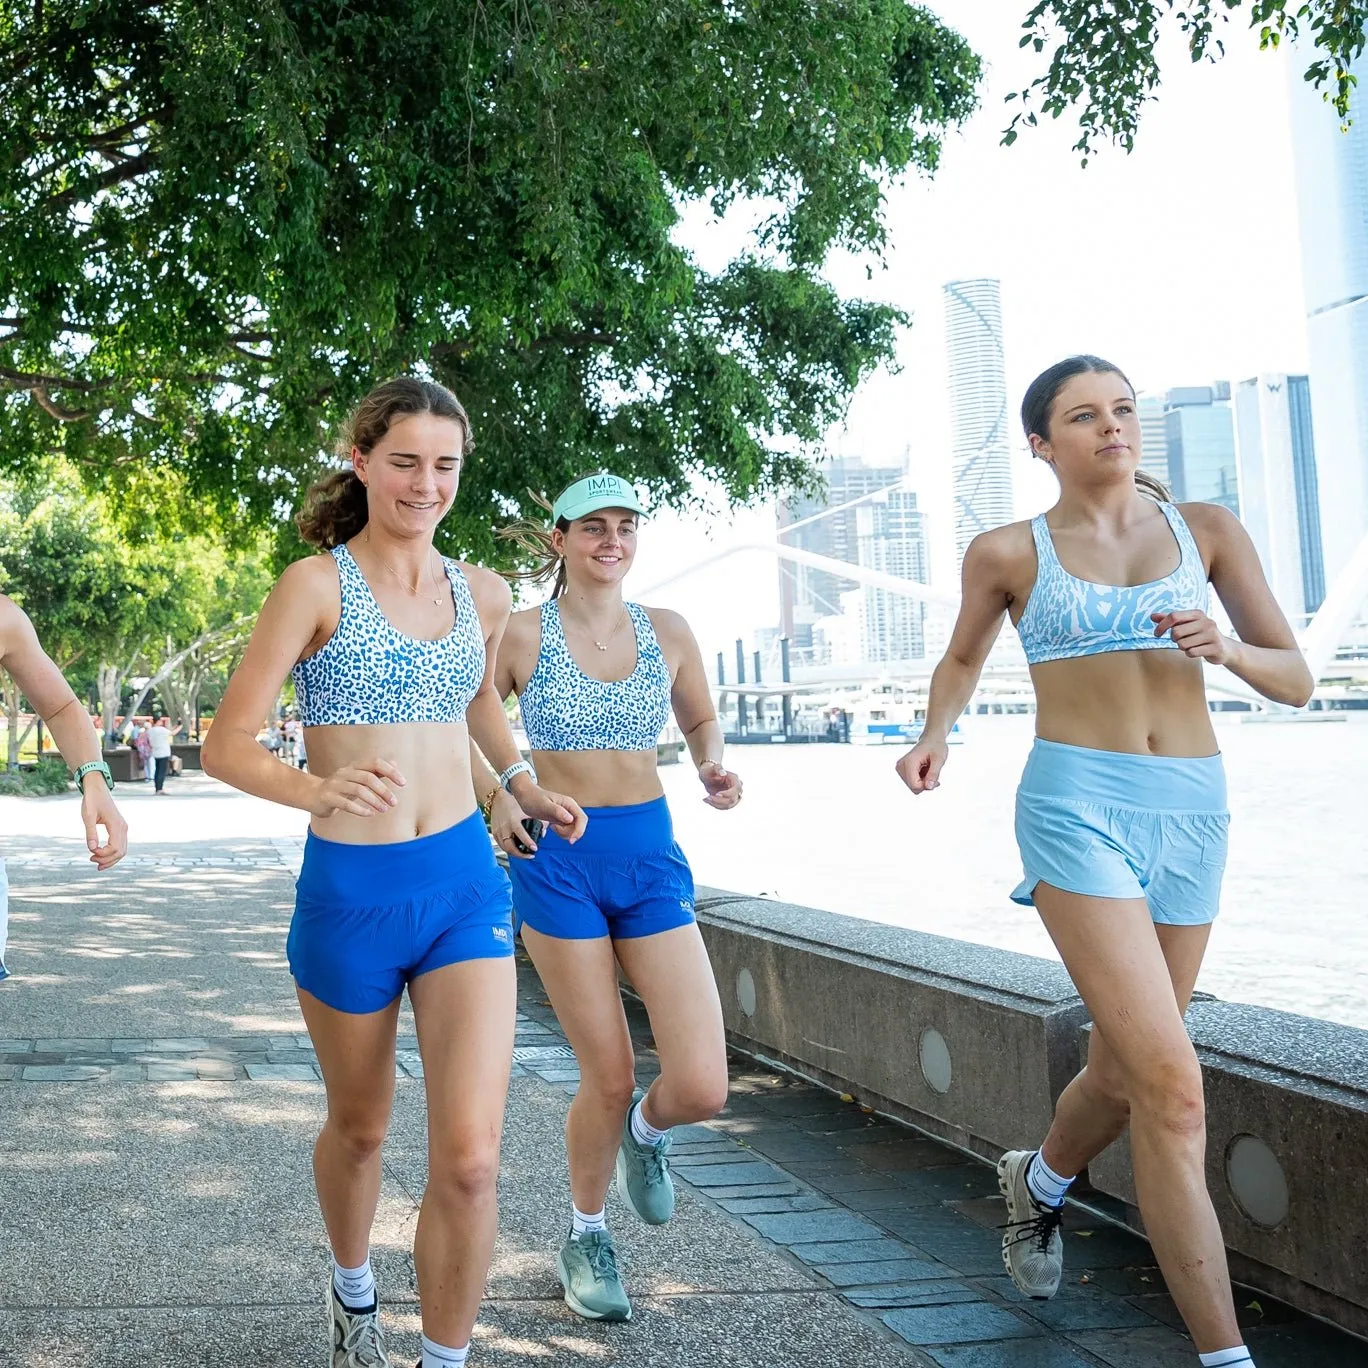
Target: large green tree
(222,220)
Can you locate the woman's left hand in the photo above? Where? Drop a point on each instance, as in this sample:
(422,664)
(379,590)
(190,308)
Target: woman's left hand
(562,814)
(1196,634)
(724,787)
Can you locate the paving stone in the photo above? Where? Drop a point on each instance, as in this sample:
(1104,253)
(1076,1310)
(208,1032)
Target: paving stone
(871,1201)
(813,1226)
(851,1251)
(180,1044)
(934,1185)
(213,1070)
(62,1073)
(950,1238)
(1153,1348)
(1028,1353)
(558,1075)
(291,1073)
(764,1206)
(128,1073)
(170,1073)
(929,1292)
(726,1175)
(881,1271)
(13,1045)
(778,1189)
(8,1072)
(696,1134)
(787,1144)
(66,1044)
(727,1153)
(123,1044)
(966,1323)
(1304,1344)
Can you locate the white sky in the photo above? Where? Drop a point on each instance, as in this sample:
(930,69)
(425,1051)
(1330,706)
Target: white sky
(1181,263)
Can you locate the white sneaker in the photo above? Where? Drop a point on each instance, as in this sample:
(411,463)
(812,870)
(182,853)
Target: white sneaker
(1032,1247)
(357,1340)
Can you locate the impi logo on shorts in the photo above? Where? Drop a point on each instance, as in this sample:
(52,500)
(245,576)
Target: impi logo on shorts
(501,933)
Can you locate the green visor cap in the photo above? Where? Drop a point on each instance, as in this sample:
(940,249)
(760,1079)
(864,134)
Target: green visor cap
(592,493)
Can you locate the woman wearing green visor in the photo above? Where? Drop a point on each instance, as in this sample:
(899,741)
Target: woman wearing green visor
(596,678)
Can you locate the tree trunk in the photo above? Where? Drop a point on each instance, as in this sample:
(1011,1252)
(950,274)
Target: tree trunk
(12,714)
(110,679)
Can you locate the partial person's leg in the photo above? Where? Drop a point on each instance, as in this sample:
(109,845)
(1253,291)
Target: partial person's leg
(580,978)
(1114,957)
(356,1057)
(674,978)
(465,1014)
(1093,1110)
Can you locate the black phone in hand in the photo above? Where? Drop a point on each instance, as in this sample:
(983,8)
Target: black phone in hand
(534,829)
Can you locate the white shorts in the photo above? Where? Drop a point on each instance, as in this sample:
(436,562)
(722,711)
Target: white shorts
(4,918)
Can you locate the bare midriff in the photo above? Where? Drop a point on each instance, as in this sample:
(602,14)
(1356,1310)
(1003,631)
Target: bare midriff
(433,757)
(600,778)
(1138,702)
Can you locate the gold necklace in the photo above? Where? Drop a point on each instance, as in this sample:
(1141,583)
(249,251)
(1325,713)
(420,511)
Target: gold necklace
(413,592)
(603,645)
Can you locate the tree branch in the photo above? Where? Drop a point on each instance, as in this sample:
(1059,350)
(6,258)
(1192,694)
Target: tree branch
(54,409)
(124,171)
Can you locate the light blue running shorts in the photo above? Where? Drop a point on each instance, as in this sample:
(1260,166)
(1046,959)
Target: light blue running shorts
(1108,824)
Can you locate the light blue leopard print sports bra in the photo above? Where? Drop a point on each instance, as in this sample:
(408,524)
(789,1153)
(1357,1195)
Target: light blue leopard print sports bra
(1066,616)
(368,673)
(563,709)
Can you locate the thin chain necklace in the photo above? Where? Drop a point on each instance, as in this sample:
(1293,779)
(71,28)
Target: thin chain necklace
(603,645)
(437,599)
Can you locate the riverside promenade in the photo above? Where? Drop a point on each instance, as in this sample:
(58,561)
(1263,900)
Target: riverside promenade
(158,1103)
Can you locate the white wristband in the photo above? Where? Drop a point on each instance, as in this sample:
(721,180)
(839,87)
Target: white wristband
(512,772)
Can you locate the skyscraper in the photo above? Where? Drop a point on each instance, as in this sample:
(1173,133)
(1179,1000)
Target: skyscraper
(1332,204)
(979,415)
(1277,464)
(806,594)
(892,538)
(1200,433)
(1153,435)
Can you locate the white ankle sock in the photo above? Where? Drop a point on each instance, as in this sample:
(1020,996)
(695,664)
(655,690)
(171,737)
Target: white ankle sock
(439,1356)
(1047,1187)
(355,1286)
(642,1131)
(1238,1357)
(580,1224)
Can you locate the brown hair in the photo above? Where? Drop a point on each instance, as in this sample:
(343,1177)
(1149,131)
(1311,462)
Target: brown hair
(334,508)
(1044,390)
(535,538)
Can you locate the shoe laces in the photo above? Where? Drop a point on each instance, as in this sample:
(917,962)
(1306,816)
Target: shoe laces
(602,1257)
(655,1162)
(363,1346)
(1037,1230)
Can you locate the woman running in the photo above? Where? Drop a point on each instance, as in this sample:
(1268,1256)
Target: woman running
(391,647)
(596,678)
(50,696)
(1121,813)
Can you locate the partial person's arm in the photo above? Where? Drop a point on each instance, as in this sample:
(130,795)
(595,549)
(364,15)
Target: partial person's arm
(488,723)
(42,683)
(1265,654)
(983,605)
(290,619)
(694,712)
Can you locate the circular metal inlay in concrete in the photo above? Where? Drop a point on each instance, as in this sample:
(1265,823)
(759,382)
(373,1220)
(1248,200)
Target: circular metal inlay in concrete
(1257,1181)
(745,992)
(935,1060)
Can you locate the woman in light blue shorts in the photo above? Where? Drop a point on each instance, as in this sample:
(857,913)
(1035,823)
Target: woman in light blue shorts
(1121,813)
(596,679)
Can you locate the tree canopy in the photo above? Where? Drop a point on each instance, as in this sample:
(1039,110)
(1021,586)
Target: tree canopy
(222,220)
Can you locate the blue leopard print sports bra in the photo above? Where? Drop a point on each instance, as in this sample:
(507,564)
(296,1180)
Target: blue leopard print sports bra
(1067,617)
(368,673)
(564,709)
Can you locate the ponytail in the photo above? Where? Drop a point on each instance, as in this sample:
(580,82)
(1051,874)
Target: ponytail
(535,539)
(334,511)
(1155,489)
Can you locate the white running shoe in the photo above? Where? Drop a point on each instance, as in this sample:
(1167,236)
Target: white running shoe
(1032,1247)
(357,1340)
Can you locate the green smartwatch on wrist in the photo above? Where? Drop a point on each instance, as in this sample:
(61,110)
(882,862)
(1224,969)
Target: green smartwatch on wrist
(90,767)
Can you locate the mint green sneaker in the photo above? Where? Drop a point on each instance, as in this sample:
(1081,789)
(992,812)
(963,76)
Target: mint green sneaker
(589,1273)
(643,1174)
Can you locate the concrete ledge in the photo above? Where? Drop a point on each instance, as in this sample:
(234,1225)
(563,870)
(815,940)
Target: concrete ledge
(1287,1154)
(974,1045)
(970,1044)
